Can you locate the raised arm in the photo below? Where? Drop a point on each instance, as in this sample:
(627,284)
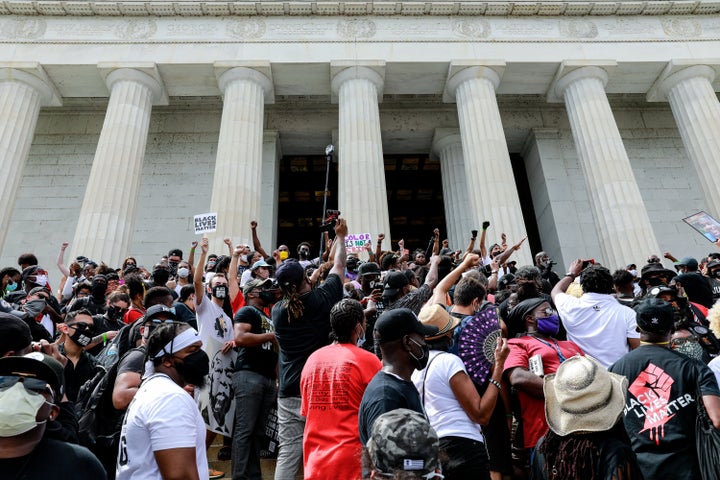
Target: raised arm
(233,286)
(440,292)
(61,260)
(191,257)
(436,242)
(483,237)
(432,276)
(256,241)
(340,257)
(198,277)
(564,283)
(378,246)
(504,256)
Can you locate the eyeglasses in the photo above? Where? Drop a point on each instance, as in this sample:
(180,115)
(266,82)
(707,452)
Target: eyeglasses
(32,385)
(676,342)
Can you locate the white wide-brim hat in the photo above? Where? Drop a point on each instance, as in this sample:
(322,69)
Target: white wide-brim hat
(582,396)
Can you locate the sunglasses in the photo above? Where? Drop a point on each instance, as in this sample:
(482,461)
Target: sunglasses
(32,385)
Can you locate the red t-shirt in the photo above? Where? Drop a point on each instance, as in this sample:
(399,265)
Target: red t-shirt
(532,409)
(133,314)
(332,385)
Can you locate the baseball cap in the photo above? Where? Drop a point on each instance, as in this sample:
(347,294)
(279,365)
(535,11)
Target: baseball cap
(403,439)
(14,334)
(290,272)
(396,323)
(369,268)
(175,252)
(394,281)
(258,264)
(689,262)
(655,315)
(256,283)
(156,310)
(36,365)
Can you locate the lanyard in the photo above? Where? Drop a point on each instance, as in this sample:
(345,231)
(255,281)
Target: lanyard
(555,346)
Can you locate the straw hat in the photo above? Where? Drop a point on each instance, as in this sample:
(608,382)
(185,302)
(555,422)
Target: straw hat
(438,316)
(582,396)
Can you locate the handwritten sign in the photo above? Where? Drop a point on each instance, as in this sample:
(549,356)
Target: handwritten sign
(355,243)
(205,222)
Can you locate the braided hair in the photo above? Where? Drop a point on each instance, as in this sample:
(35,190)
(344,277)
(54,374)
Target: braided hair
(293,302)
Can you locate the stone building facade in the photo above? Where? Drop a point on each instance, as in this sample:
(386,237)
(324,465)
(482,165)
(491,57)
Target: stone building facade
(594,127)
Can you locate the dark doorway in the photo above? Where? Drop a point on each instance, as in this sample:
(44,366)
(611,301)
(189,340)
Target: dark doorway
(526,203)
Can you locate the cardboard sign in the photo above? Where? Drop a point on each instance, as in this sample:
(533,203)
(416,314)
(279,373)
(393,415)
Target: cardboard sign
(355,243)
(205,222)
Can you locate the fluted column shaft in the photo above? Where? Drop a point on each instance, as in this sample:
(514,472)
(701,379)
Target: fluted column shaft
(107,216)
(621,220)
(491,185)
(237,182)
(362,193)
(458,219)
(21,95)
(697,113)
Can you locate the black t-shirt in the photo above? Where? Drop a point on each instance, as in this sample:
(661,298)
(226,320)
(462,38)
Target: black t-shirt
(77,375)
(385,393)
(260,358)
(661,408)
(55,460)
(300,337)
(715,286)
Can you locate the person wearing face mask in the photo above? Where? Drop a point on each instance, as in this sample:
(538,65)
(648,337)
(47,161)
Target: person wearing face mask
(78,331)
(254,377)
(163,434)
(183,276)
(331,386)
(30,391)
(451,400)
(532,356)
(9,280)
(653,275)
(214,319)
(401,338)
(95,303)
(596,322)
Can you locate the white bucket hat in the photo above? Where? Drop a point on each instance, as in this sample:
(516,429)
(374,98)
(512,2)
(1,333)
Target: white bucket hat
(582,396)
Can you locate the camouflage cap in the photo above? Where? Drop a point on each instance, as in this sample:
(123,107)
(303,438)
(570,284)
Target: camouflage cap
(403,439)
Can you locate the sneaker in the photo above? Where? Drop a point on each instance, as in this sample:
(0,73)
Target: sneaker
(224,454)
(215,473)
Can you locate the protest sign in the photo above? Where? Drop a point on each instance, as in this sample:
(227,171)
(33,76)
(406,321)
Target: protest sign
(205,222)
(355,243)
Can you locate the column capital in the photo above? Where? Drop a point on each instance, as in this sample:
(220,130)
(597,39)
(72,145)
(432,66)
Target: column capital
(459,72)
(443,138)
(145,73)
(571,71)
(34,75)
(343,70)
(677,71)
(256,71)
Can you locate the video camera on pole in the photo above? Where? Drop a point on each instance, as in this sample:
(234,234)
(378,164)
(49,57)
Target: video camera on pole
(330,220)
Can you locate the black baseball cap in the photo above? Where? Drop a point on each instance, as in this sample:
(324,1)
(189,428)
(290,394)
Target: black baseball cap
(396,323)
(394,281)
(15,334)
(36,365)
(655,315)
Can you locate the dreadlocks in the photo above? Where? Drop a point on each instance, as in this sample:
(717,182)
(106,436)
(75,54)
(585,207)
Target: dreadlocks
(571,457)
(294,304)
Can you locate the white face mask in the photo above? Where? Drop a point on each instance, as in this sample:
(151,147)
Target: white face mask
(183,272)
(41,280)
(243,258)
(633,272)
(361,337)
(20,408)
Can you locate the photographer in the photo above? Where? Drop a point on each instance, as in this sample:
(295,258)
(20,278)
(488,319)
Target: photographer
(545,264)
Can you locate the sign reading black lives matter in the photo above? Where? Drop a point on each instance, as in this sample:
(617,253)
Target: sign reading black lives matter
(205,222)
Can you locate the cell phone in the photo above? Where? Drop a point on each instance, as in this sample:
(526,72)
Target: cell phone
(587,263)
(377,285)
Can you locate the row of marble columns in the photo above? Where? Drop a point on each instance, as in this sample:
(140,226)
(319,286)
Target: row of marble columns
(478,181)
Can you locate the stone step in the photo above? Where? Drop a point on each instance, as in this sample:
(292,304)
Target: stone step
(266,464)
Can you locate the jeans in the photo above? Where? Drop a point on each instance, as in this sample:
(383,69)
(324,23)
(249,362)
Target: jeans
(467,459)
(254,396)
(290,430)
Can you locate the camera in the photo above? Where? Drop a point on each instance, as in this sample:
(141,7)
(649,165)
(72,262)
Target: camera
(377,285)
(330,220)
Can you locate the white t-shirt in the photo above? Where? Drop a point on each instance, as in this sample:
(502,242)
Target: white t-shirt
(715,367)
(443,410)
(598,324)
(160,417)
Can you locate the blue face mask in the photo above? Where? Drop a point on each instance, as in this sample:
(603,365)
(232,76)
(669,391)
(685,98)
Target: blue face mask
(549,326)
(11,287)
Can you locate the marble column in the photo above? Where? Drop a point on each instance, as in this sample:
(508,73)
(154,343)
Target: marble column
(237,182)
(447,145)
(107,216)
(272,154)
(21,95)
(362,194)
(623,226)
(695,107)
(492,192)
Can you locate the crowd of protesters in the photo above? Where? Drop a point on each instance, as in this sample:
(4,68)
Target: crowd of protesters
(444,362)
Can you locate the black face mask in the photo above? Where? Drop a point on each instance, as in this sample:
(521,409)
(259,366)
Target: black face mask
(98,290)
(421,361)
(219,292)
(194,368)
(114,313)
(82,334)
(266,297)
(655,282)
